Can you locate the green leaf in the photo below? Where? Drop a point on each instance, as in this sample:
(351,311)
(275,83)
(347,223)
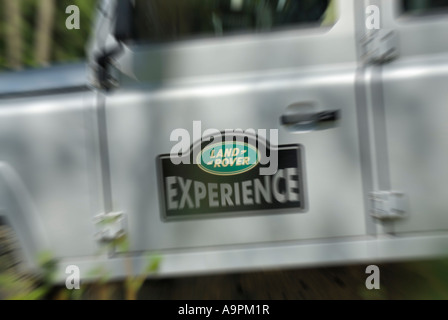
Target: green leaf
(153,265)
(35,294)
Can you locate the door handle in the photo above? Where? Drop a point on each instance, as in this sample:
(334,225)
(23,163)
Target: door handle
(304,122)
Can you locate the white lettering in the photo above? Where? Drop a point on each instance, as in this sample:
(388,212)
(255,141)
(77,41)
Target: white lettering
(180,151)
(373,281)
(171,193)
(247,193)
(73,280)
(292,184)
(213,195)
(73,21)
(373,18)
(199,193)
(280,197)
(185,186)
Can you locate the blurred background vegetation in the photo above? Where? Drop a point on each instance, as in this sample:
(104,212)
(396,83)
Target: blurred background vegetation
(33,32)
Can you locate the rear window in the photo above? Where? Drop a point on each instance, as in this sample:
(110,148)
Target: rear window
(168,20)
(418,7)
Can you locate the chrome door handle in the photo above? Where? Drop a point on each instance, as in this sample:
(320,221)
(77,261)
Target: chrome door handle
(310,121)
(302,119)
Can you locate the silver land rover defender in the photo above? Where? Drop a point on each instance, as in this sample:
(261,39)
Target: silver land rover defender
(233,135)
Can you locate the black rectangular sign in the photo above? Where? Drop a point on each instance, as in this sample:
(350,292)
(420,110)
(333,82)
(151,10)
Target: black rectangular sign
(192,191)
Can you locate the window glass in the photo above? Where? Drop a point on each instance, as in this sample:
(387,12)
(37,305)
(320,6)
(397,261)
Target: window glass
(165,20)
(424,6)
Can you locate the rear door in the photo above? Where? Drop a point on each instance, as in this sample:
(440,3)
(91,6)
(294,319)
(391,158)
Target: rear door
(415,112)
(285,67)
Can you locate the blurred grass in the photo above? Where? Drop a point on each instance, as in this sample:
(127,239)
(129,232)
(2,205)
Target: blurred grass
(414,280)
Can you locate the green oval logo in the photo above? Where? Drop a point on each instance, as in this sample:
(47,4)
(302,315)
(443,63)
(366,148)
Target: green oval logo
(228,158)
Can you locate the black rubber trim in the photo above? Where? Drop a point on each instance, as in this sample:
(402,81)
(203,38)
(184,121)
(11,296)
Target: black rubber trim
(46,92)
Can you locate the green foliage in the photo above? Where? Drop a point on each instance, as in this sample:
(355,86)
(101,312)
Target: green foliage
(134,283)
(18,286)
(331,14)
(67,45)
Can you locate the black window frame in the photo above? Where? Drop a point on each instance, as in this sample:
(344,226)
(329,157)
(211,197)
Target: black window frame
(318,25)
(432,11)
